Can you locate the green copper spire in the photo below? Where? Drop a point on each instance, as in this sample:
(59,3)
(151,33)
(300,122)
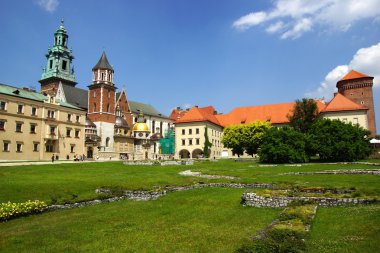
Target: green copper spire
(59,57)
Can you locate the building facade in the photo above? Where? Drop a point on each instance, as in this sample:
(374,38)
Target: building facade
(34,126)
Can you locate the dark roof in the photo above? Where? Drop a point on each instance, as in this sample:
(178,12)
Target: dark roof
(146,109)
(103,63)
(76,96)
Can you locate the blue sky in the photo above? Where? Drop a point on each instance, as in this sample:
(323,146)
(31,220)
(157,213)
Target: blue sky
(200,52)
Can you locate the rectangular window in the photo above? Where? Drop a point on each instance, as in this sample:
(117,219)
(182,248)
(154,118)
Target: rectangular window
(72,146)
(50,64)
(2,106)
(68,132)
(18,147)
(183,131)
(32,128)
(34,111)
(52,130)
(197,130)
(183,143)
(2,125)
(51,114)
(356,121)
(78,118)
(49,147)
(64,65)
(197,141)
(18,127)
(190,131)
(35,146)
(69,117)
(6,145)
(20,108)
(190,141)
(76,133)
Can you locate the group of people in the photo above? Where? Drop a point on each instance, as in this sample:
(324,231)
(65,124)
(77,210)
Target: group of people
(55,157)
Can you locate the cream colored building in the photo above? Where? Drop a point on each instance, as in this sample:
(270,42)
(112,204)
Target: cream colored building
(190,133)
(36,127)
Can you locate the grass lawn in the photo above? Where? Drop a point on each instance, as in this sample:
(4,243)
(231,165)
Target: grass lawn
(203,220)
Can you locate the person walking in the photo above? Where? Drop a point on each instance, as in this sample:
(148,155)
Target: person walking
(52,158)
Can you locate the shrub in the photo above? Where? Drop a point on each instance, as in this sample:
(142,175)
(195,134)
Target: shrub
(283,145)
(11,210)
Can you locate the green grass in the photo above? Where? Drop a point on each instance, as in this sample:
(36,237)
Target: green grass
(203,220)
(346,230)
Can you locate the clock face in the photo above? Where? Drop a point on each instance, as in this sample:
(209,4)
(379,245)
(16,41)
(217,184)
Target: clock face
(140,134)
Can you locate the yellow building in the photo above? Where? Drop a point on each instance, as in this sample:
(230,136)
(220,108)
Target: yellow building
(34,126)
(190,133)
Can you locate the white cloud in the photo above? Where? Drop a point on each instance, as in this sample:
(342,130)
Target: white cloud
(366,60)
(276,27)
(298,29)
(48,5)
(292,14)
(249,20)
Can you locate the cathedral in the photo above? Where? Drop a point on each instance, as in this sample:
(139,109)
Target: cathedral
(116,127)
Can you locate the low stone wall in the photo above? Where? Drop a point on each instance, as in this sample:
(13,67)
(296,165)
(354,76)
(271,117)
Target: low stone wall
(252,199)
(223,185)
(190,173)
(334,172)
(160,163)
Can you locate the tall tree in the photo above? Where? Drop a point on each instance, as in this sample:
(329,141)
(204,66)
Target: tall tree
(207,144)
(283,145)
(233,139)
(304,113)
(253,135)
(336,141)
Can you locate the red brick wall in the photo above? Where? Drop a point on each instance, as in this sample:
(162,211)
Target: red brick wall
(360,91)
(102,115)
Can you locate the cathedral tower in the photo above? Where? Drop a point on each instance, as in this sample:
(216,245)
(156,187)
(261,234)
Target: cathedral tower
(59,64)
(102,101)
(358,87)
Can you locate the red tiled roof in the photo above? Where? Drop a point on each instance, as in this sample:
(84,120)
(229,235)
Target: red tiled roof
(177,113)
(342,103)
(353,75)
(200,114)
(275,113)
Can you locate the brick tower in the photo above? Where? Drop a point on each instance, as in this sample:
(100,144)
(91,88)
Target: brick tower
(58,67)
(102,101)
(358,87)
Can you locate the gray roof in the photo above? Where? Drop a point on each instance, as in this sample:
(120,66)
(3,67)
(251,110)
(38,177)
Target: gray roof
(103,63)
(76,96)
(146,109)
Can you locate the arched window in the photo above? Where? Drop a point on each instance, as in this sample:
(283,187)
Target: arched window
(107,142)
(94,107)
(108,107)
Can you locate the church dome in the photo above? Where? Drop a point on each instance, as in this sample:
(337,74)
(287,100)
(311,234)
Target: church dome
(140,125)
(121,122)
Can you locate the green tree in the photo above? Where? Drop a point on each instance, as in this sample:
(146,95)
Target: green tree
(283,145)
(233,139)
(207,144)
(336,141)
(253,134)
(304,113)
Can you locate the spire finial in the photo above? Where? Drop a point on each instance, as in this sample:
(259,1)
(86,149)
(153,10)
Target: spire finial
(62,21)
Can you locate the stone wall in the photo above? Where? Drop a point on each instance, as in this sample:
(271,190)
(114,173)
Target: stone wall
(252,199)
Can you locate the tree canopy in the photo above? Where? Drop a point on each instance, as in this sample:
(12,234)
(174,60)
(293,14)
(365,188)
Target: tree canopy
(283,145)
(246,138)
(335,141)
(304,113)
